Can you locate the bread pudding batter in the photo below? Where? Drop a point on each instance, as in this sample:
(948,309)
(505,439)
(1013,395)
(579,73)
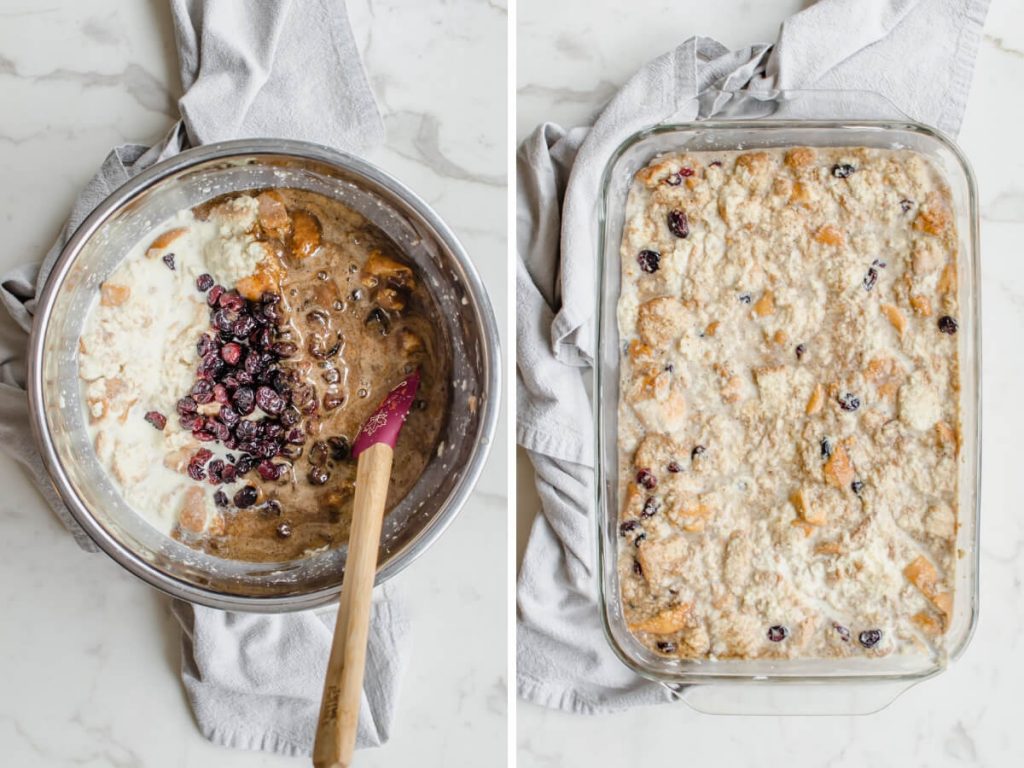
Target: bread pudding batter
(230,359)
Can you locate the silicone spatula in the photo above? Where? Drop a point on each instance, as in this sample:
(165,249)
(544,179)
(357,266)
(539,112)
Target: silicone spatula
(343,684)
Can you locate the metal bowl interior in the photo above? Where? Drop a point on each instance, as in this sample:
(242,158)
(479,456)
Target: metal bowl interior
(187,180)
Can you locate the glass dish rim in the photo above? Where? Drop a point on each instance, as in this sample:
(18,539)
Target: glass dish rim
(694,675)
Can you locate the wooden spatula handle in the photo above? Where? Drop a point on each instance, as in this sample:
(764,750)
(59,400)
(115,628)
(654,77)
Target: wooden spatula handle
(343,685)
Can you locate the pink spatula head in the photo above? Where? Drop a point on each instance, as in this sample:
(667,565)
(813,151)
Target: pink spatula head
(386,422)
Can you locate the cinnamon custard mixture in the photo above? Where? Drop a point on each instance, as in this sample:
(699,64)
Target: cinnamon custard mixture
(232,357)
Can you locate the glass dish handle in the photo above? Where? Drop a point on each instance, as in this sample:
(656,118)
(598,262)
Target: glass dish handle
(715,104)
(852,698)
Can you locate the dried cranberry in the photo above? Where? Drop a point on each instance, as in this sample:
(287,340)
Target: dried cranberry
(229,474)
(262,339)
(218,429)
(268,470)
(651,506)
(205,346)
(844,633)
(678,224)
(269,401)
(869,638)
(203,436)
(273,430)
(674,467)
(252,363)
(202,392)
(649,261)
(228,415)
(216,468)
(231,300)
(224,320)
(284,348)
(340,449)
(202,456)
(250,447)
(279,381)
(191,422)
(687,172)
(645,478)
(231,353)
(849,401)
(220,394)
(220,499)
(628,525)
(214,295)
(247,430)
(245,464)
(204,282)
(243,326)
(196,472)
(186,406)
(168,259)
(157,419)
(948,325)
(211,366)
(266,315)
(244,400)
(267,448)
(290,451)
(246,497)
(778,633)
(842,170)
(318,453)
(296,436)
(666,646)
(318,475)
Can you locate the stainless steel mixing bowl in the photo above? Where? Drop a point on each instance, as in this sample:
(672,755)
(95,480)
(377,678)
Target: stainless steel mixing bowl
(101,242)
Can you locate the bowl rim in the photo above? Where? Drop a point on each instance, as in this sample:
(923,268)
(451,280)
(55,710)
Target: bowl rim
(124,194)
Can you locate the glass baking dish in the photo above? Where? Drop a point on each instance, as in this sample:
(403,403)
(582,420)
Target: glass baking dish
(790,686)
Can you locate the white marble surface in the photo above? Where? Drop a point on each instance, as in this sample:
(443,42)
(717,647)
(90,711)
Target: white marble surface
(88,655)
(570,59)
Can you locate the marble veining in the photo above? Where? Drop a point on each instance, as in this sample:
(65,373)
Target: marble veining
(79,76)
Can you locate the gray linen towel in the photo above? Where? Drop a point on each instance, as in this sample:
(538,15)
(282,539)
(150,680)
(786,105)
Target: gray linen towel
(918,54)
(286,69)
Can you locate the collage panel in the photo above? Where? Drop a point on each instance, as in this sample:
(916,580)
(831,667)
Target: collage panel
(749,487)
(255,320)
